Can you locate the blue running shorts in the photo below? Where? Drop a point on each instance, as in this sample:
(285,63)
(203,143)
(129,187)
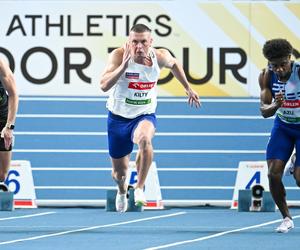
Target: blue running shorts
(120,133)
(284,137)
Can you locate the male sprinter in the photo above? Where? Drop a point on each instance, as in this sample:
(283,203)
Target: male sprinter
(280,94)
(8,108)
(131,74)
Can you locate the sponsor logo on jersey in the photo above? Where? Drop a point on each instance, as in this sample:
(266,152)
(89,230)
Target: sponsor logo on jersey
(291,104)
(141,85)
(131,75)
(138,102)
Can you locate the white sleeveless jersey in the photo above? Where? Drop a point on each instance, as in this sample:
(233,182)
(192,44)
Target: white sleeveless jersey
(289,112)
(135,93)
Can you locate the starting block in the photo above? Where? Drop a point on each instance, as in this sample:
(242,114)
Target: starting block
(254,200)
(244,200)
(111,199)
(6,198)
(268,202)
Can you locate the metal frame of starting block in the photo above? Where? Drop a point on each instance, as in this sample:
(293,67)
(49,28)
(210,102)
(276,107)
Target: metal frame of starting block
(6,198)
(245,200)
(111,199)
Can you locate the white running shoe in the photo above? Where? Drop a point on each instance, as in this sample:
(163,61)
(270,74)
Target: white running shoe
(139,197)
(285,225)
(290,165)
(121,202)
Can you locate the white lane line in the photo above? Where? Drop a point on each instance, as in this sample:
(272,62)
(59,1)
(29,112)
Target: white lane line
(216,235)
(26,216)
(161,187)
(90,228)
(167,203)
(60,116)
(104,99)
(91,116)
(113,187)
(241,117)
(64,99)
(74,187)
(198,169)
(157,134)
(203,100)
(157,151)
(70,169)
(180,169)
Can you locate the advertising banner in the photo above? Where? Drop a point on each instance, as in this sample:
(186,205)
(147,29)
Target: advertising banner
(61,47)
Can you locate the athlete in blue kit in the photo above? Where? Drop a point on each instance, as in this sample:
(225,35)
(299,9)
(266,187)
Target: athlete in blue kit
(280,95)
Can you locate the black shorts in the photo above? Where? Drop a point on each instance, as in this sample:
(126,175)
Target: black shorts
(2,145)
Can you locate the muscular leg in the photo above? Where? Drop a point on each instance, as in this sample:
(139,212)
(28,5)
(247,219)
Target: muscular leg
(138,161)
(297,175)
(143,135)
(119,172)
(5,157)
(297,165)
(277,189)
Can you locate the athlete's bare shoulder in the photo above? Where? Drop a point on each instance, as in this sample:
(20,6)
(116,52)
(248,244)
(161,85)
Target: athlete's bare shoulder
(264,78)
(3,67)
(117,54)
(164,58)
(1,63)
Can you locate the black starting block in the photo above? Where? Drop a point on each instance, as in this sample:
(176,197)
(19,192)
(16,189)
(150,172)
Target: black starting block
(111,199)
(131,204)
(6,198)
(256,200)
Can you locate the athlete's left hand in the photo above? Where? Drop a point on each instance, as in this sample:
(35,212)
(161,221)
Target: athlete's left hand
(193,98)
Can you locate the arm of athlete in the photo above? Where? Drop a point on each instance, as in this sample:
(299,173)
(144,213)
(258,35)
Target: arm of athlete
(268,107)
(165,59)
(117,64)
(8,81)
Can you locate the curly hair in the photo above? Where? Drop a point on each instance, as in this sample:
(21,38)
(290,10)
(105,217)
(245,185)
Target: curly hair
(277,48)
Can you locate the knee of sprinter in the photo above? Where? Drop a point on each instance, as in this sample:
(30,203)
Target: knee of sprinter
(274,176)
(144,143)
(117,176)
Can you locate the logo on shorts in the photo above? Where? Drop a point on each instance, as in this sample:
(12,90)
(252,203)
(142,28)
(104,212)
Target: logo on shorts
(130,75)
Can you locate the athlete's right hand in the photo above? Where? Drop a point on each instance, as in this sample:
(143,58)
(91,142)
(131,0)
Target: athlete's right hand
(279,99)
(126,54)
